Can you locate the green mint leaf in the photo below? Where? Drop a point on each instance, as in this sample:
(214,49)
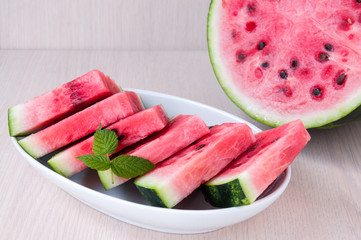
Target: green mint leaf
(105,141)
(130,166)
(97,162)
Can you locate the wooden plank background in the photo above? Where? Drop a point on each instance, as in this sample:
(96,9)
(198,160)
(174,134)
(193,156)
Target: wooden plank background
(104,24)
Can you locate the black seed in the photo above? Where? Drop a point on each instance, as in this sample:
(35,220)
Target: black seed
(316,92)
(200,146)
(358,1)
(121,137)
(283,74)
(341,78)
(329,47)
(251,8)
(294,64)
(261,45)
(274,140)
(241,57)
(265,65)
(210,127)
(115,131)
(323,57)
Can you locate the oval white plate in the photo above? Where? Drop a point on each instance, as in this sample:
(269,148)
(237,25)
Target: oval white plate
(192,215)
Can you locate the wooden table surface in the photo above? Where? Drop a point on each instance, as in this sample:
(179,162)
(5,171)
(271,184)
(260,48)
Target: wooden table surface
(322,201)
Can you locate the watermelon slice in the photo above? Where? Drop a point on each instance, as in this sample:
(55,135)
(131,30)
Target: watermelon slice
(174,179)
(129,130)
(50,107)
(181,131)
(244,179)
(285,60)
(81,124)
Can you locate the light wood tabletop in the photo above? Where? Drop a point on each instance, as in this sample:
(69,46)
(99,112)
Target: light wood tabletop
(322,200)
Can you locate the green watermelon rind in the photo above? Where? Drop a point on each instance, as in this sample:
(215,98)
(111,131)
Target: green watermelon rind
(29,146)
(156,190)
(152,196)
(57,165)
(231,193)
(106,179)
(347,112)
(13,124)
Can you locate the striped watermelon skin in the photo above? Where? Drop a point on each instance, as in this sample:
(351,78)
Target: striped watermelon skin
(59,103)
(248,176)
(81,124)
(181,131)
(129,131)
(178,176)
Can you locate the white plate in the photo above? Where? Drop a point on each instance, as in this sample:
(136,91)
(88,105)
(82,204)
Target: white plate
(192,215)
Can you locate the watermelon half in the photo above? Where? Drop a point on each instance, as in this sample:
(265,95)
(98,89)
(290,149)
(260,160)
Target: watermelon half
(245,178)
(285,60)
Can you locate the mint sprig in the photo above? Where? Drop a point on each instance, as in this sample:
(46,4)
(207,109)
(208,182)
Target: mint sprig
(97,162)
(130,166)
(105,143)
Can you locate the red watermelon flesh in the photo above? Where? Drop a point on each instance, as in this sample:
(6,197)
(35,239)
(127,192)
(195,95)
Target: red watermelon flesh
(181,131)
(129,130)
(81,124)
(63,101)
(285,60)
(255,169)
(175,178)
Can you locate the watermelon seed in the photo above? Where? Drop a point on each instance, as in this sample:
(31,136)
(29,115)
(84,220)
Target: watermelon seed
(274,140)
(121,137)
(261,45)
(114,131)
(283,74)
(358,1)
(251,8)
(241,57)
(329,47)
(323,57)
(200,147)
(265,65)
(294,64)
(341,78)
(316,92)
(210,127)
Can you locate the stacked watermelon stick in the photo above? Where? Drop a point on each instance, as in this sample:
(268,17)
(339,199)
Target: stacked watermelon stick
(53,106)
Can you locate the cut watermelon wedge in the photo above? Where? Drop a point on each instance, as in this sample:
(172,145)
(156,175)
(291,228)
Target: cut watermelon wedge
(174,179)
(81,124)
(129,130)
(244,179)
(52,106)
(180,132)
(285,60)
